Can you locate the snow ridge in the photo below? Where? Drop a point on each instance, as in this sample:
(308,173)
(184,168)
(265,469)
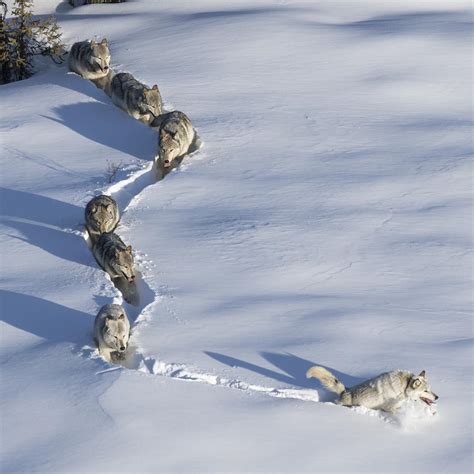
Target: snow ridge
(153,366)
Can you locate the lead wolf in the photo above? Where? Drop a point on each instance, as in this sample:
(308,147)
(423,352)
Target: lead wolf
(114,256)
(112,332)
(176,137)
(141,102)
(90,59)
(385,392)
(102,215)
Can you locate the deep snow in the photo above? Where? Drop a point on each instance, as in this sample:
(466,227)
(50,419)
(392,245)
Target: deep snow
(326,220)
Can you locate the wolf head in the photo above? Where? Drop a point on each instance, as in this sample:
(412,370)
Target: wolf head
(150,101)
(123,263)
(100,57)
(419,389)
(169,147)
(116,332)
(103,217)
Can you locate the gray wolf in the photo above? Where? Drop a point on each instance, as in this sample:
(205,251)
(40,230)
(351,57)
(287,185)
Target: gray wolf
(102,215)
(176,136)
(141,102)
(112,332)
(105,82)
(78,3)
(385,392)
(90,59)
(114,257)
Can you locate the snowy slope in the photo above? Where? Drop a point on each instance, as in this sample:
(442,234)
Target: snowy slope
(326,220)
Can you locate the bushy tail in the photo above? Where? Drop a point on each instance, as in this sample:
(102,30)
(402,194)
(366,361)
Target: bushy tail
(326,378)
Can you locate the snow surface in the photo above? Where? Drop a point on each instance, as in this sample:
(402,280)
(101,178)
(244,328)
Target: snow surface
(326,220)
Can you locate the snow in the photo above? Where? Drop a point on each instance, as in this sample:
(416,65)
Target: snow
(326,220)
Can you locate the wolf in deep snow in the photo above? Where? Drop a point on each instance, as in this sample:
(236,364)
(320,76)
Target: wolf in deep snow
(90,59)
(138,100)
(176,136)
(112,332)
(101,215)
(114,257)
(385,392)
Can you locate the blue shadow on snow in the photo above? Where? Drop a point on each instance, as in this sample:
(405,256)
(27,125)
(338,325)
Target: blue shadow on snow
(45,319)
(293,369)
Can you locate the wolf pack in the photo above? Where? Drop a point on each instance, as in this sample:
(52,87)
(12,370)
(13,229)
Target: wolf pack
(176,138)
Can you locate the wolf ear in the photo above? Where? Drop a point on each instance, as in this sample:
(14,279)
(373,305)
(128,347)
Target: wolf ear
(104,41)
(129,249)
(422,373)
(155,87)
(93,43)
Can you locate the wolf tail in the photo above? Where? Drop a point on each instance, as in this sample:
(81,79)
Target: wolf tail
(326,378)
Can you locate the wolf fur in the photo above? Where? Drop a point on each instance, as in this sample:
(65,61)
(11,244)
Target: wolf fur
(78,3)
(176,135)
(112,332)
(105,82)
(90,59)
(114,257)
(102,215)
(385,392)
(141,102)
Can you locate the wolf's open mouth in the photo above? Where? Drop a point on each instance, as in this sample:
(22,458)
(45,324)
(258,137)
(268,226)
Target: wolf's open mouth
(130,279)
(427,401)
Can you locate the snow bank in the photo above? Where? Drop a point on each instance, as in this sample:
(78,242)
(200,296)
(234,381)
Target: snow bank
(325,221)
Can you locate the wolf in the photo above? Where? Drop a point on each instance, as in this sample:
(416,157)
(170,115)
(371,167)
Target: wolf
(104,82)
(141,102)
(102,215)
(385,392)
(90,59)
(114,257)
(112,332)
(78,3)
(176,136)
